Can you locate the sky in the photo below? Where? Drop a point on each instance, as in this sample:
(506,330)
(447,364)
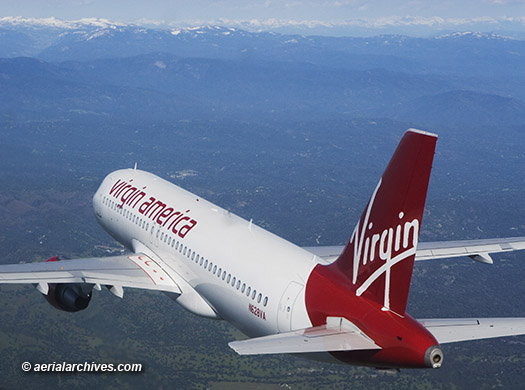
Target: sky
(268,13)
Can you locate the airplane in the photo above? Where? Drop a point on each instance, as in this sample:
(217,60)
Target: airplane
(334,304)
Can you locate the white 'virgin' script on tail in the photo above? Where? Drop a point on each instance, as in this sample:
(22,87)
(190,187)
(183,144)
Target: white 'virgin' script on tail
(389,241)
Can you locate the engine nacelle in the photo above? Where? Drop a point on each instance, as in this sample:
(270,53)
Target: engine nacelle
(70,297)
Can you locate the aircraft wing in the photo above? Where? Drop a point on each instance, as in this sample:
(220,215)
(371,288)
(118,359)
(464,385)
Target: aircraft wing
(478,250)
(136,270)
(337,335)
(452,330)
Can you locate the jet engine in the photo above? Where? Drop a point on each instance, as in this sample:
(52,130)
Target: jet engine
(70,297)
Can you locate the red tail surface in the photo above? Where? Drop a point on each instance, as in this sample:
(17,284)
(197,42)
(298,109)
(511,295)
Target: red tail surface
(379,258)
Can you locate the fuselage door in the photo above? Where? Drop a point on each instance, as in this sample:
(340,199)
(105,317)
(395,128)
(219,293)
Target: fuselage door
(284,315)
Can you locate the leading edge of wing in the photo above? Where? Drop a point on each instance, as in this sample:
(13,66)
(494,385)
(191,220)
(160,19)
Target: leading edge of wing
(338,334)
(453,330)
(135,270)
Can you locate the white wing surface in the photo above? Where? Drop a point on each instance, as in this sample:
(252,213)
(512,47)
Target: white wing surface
(338,335)
(453,330)
(479,250)
(136,270)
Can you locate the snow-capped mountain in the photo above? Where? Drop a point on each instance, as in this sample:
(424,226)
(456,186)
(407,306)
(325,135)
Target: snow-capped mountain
(11,21)
(95,62)
(87,39)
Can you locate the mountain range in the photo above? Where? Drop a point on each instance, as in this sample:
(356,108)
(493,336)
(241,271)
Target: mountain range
(56,68)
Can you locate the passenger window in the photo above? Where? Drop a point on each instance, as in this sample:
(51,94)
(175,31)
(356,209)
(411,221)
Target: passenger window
(254,293)
(166,237)
(223,275)
(233,281)
(205,263)
(259,297)
(228,278)
(214,269)
(189,253)
(209,267)
(169,240)
(202,258)
(158,231)
(238,284)
(265,301)
(248,291)
(193,256)
(243,287)
(184,252)
(177,246)
(219,272)
(162,236)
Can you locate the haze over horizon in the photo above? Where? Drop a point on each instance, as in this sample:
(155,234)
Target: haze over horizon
(327,17)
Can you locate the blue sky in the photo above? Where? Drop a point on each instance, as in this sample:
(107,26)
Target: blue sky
(267,13)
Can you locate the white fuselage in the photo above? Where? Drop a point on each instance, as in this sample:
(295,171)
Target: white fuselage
(248,276)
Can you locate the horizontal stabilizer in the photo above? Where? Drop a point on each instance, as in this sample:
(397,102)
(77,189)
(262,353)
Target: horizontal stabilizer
(453,330)
(337,335)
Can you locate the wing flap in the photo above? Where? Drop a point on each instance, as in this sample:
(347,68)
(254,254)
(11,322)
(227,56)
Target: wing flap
(466,329)
(338,335)
(137,271)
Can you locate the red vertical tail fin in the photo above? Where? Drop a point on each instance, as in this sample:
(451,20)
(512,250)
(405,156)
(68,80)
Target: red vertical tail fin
(379,257)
